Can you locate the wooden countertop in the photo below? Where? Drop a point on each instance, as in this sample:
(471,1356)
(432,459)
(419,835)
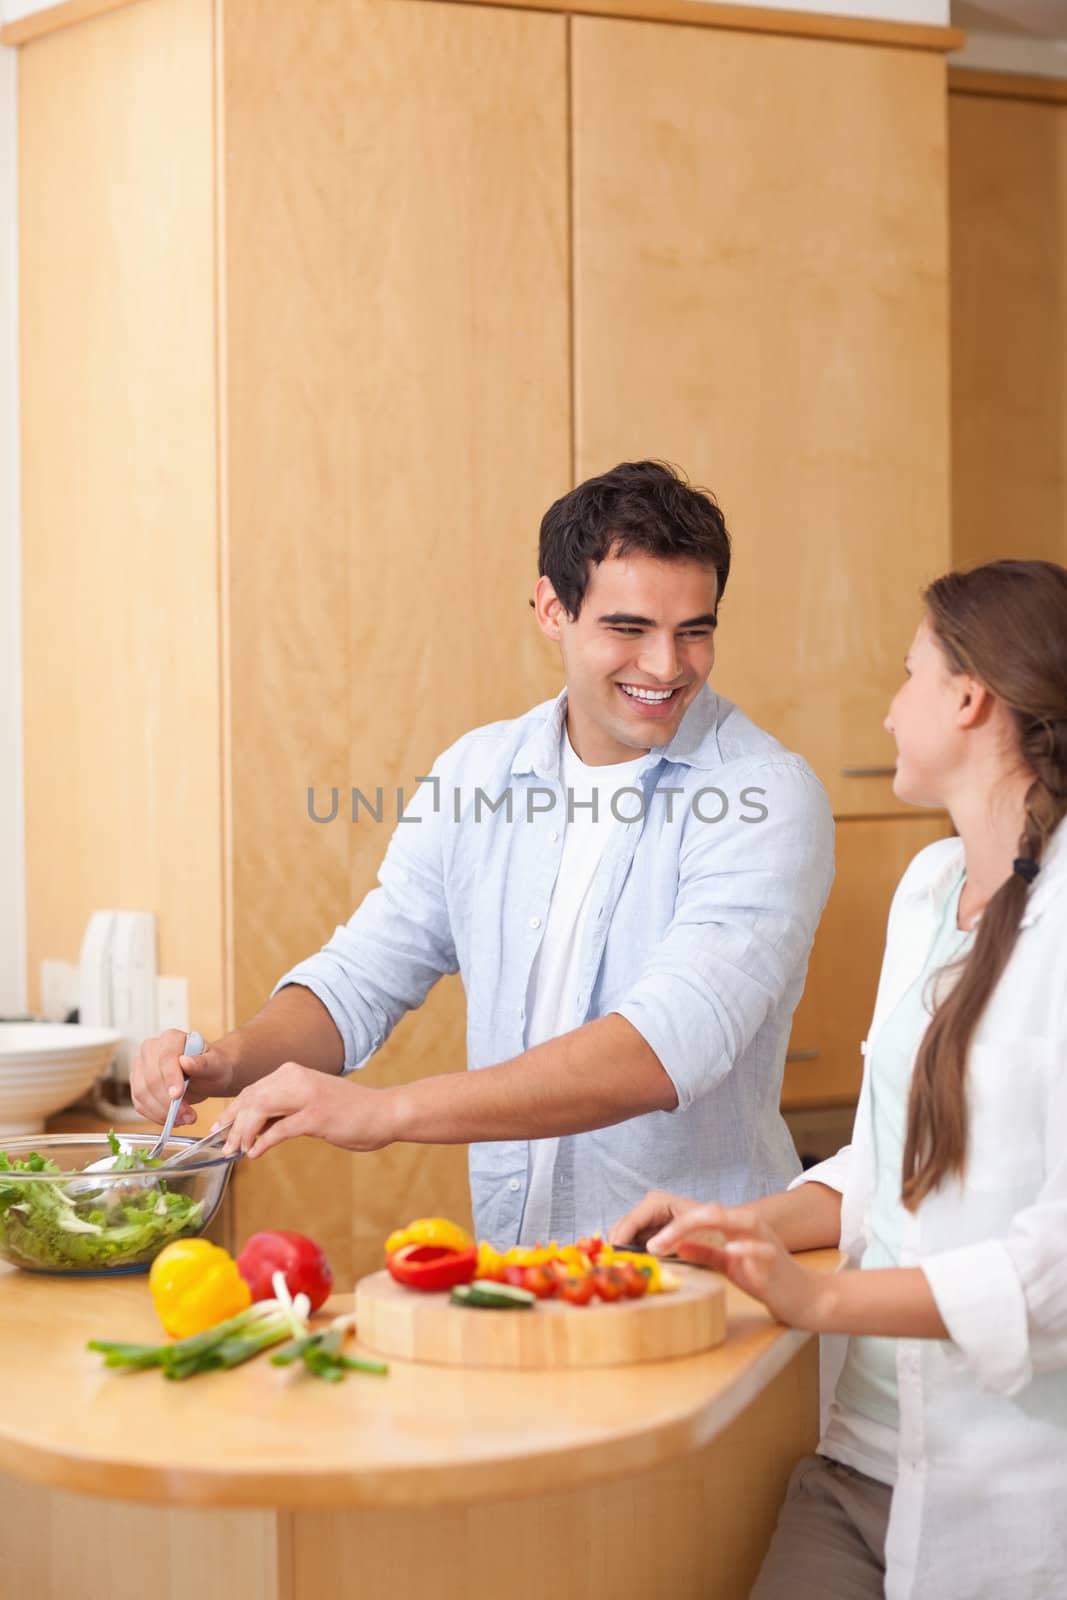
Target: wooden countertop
(270,1437)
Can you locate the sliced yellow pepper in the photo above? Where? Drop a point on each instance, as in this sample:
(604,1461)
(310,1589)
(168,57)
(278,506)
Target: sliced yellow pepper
(430,1230)
(194,1285)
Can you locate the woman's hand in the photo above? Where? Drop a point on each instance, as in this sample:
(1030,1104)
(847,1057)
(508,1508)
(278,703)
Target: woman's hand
(295,1101)
(739,1244)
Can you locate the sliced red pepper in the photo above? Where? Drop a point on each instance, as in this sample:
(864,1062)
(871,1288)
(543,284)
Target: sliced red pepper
(432,1266)
(591,1247)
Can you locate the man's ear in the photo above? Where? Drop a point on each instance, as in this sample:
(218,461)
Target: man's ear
(549,608)
(975,702)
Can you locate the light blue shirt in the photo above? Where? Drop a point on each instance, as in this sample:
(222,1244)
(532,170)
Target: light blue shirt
(707,906)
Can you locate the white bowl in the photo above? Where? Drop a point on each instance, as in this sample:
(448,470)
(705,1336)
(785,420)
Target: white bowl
(45,1066)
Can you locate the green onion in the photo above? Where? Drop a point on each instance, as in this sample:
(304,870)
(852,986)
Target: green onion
(227,1344)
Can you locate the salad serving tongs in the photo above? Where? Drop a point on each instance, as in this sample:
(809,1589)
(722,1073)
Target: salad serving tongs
(190,1152)
(194,1046)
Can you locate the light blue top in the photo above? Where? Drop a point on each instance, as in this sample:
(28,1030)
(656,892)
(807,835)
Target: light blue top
(862,1428)
(701,938)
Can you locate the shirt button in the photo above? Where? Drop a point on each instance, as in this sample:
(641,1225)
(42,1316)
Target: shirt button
(555,838)
(535,922)
(514,1185)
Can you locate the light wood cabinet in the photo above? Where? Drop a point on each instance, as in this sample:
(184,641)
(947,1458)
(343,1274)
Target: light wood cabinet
(761,296)
(321,307)
(296,393)
(824,1065)
(1008,222)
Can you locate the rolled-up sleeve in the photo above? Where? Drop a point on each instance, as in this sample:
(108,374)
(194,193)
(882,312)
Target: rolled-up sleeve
(747,907)
(833,1172)
(1004,1301)
(386,958)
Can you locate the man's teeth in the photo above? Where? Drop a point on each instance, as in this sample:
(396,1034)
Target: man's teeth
(646,694)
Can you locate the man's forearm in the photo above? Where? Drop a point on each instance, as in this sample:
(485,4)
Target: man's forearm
(599,1074)
(294,1025)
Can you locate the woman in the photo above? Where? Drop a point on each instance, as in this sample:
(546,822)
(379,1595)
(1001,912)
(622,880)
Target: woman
(943,1468)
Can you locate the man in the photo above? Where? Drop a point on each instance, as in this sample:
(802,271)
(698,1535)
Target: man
(629,880)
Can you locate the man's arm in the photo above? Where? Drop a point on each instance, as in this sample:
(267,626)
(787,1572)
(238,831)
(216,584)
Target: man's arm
(601,1073)
(334,1010)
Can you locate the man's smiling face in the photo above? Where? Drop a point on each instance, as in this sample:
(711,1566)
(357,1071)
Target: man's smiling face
(636,655)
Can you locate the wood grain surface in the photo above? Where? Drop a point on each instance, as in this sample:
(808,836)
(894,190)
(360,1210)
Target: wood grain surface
(1009,327)
(425,1436)
(392,442)
(119,485)
(694,1528)
(761,296)
(425,1327)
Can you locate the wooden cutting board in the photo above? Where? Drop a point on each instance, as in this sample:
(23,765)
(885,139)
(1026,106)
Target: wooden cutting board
(416,1326)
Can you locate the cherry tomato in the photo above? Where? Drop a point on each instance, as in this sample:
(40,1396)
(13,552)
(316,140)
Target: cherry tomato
(540,1281)
(608,1283)
(634,1281)
(577,1291)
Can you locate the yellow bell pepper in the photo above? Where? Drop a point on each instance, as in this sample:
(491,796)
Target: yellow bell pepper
(194,1285)
(430,1230)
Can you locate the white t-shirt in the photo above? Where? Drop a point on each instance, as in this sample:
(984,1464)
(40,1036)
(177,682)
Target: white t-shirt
(554,982)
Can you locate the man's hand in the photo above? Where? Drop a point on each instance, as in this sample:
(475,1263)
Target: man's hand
(159,1071)
(295,1101)
(649,1216)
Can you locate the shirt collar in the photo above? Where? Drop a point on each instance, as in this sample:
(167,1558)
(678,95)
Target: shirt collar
(1047,885)
(694,745)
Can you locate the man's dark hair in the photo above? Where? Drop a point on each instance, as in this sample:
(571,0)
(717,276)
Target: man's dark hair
(638,505)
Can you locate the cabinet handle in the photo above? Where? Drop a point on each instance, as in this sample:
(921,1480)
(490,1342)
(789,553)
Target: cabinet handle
(868,772)
(802,1055)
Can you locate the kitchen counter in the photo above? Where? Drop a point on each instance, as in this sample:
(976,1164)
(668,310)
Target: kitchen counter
(642,1480)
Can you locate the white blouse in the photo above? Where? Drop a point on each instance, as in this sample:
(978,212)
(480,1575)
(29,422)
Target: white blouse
(979,1511)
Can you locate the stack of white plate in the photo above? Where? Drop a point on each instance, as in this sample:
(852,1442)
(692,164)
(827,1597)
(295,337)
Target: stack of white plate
(45,1066)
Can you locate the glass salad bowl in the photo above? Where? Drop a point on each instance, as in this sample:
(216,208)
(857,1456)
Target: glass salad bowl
(56,1217)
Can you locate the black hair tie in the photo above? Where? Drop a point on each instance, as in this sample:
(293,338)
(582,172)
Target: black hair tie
(1025,868)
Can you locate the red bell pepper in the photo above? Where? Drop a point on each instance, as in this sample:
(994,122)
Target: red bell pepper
(432,1266)
(299,1259)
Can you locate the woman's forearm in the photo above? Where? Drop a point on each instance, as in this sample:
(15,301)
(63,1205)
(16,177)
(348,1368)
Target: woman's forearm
(805,1218)
(887,1302)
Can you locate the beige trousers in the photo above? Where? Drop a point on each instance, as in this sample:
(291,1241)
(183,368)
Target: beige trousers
(829,1543)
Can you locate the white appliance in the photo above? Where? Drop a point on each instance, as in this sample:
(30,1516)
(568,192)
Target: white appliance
(117,982)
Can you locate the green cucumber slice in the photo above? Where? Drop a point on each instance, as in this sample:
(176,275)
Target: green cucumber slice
(486,1295)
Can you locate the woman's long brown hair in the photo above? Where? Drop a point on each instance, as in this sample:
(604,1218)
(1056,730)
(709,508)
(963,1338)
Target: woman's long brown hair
(1006,625)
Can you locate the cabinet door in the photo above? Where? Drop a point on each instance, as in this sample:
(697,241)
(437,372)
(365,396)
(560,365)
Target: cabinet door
(398,416)
(1009,311)
(824,1064)
(760,297)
